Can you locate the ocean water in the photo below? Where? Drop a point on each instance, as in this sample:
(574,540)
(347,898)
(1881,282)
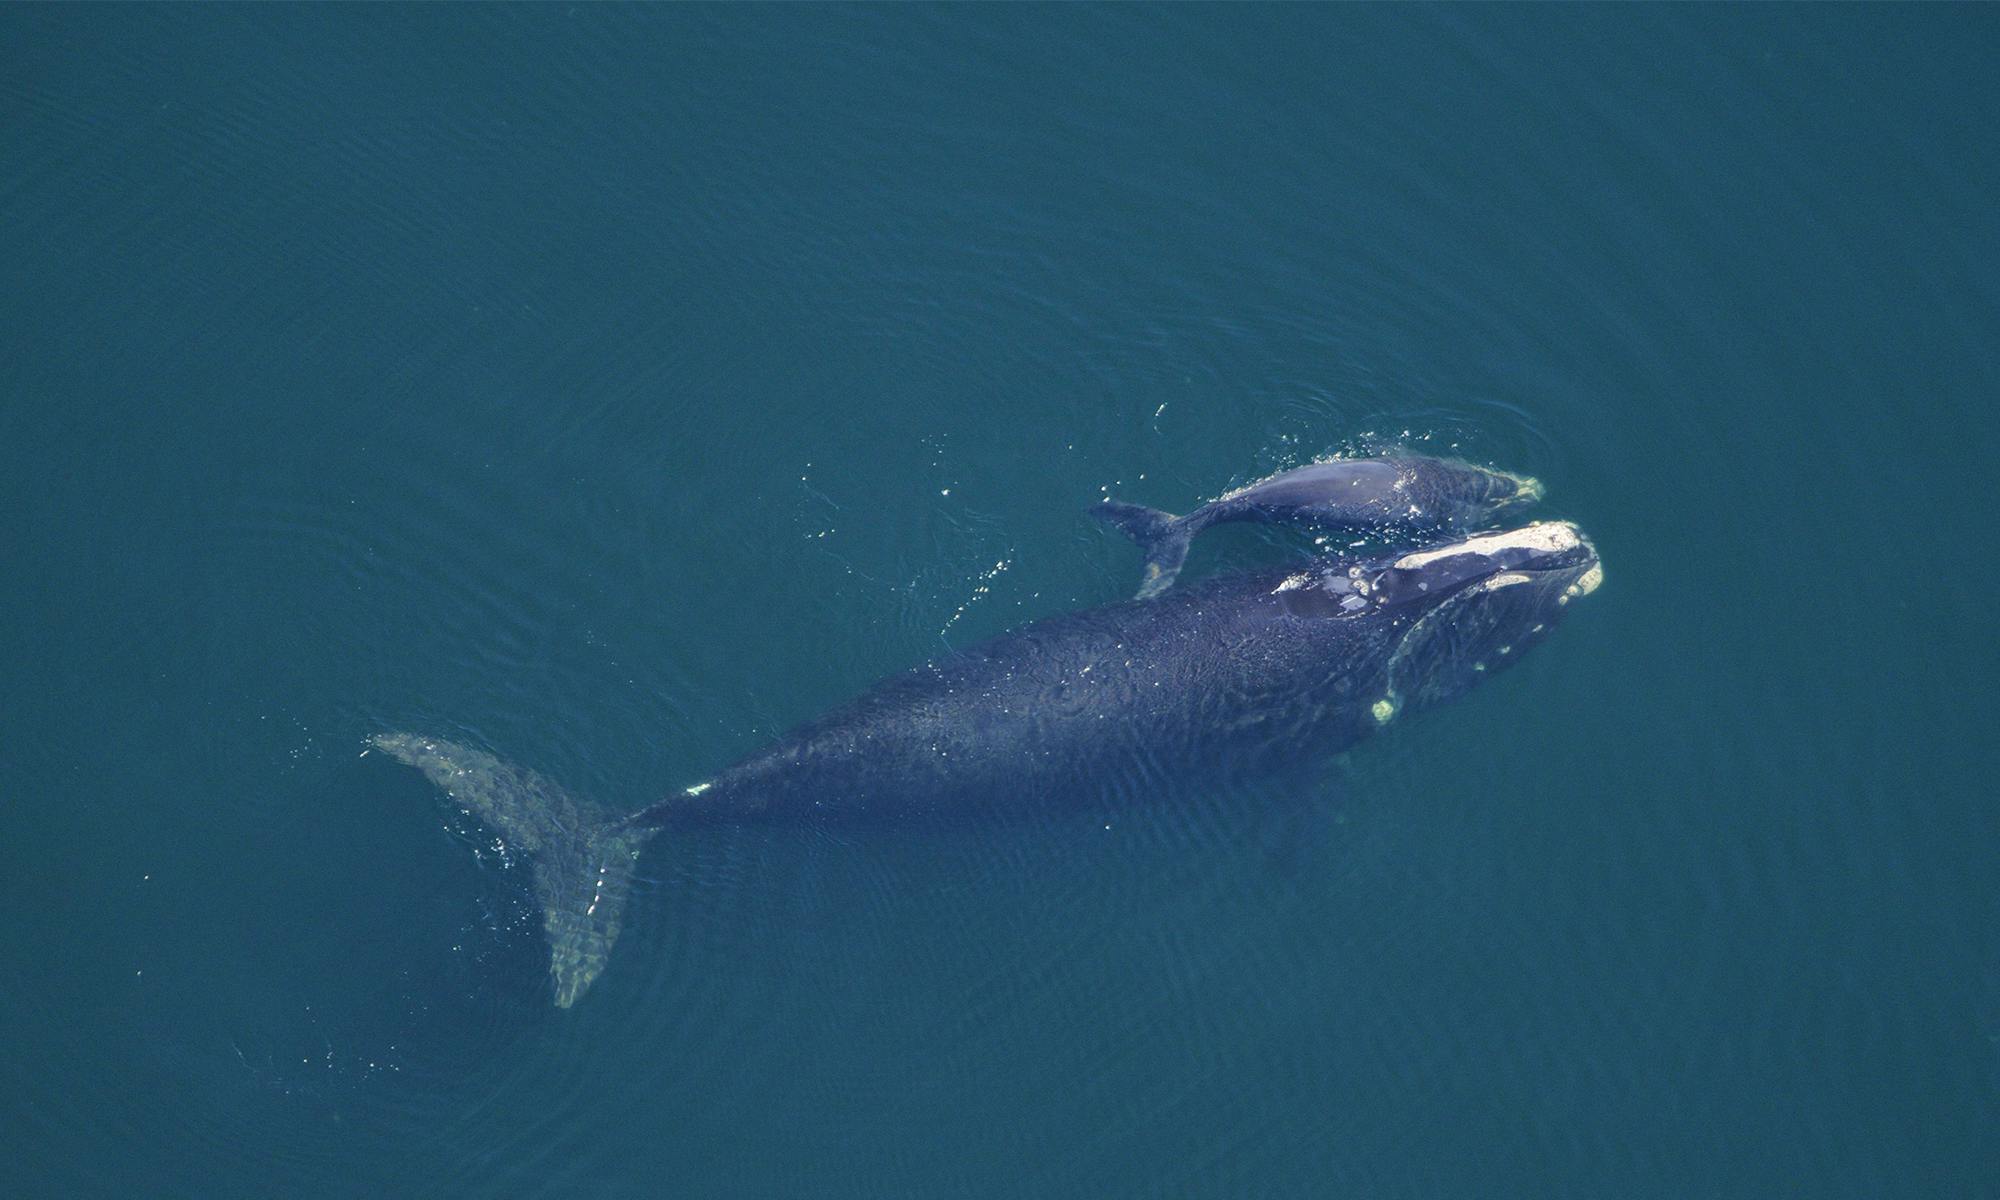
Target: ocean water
(615,387)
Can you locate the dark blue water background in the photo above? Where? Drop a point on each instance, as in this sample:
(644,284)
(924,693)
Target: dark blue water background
(615,387)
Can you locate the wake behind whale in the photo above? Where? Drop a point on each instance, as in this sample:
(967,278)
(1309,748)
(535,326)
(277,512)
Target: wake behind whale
(1241,673)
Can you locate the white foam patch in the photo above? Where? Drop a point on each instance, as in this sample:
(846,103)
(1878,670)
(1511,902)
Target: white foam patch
(1554,537)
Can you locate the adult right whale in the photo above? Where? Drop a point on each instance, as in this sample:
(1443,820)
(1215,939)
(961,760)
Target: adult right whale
(1394,494)
(1240,673)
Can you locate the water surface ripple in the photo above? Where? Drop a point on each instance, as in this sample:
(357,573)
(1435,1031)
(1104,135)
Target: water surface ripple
(616,387)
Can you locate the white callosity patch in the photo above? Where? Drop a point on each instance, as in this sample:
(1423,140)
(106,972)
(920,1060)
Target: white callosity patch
(1506,579)
(1527,487)
(1383,709)
(1551,538)
(1586,583)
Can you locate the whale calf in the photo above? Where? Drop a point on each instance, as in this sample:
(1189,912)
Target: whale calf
(1240,673)
(1411,493)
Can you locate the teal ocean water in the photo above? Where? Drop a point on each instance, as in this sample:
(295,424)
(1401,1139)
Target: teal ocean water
(616,387)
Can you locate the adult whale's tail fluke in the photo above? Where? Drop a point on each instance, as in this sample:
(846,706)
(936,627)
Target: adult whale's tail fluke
(580,857)
(1162,536)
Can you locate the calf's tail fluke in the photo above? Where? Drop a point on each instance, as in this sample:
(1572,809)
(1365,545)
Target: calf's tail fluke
(1162,536)
(581,858)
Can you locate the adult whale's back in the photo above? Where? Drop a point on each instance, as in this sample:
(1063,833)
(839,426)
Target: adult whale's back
(1239,673)
(1210,680)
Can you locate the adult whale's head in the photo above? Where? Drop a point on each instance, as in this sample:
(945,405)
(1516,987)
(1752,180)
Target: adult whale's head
(1450,614)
